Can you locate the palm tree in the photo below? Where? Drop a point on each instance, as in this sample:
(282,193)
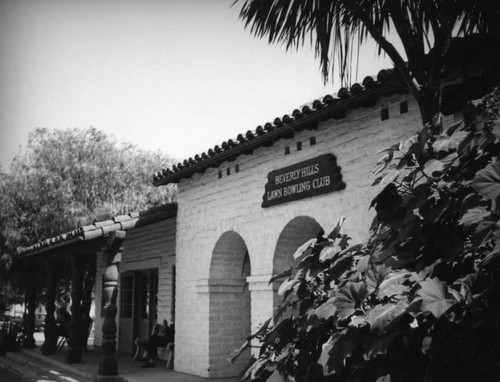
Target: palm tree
(337,28)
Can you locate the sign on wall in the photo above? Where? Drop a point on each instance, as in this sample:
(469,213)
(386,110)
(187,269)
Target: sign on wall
(309,178)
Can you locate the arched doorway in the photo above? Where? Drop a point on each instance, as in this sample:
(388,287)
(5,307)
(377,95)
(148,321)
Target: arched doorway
(294,234)
(229,308)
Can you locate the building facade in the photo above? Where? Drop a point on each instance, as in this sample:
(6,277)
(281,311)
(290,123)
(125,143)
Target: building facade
(246,206)
(243,208)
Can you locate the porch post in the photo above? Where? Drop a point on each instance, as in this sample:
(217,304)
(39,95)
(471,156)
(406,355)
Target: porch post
(88,286)
(74,354)
(108,365)
(29,317)
(50,330)
(262,297)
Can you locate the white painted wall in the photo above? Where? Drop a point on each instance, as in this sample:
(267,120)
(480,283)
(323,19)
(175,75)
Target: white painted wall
(209,206)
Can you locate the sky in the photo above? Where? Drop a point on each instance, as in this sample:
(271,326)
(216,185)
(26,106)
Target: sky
(178,76)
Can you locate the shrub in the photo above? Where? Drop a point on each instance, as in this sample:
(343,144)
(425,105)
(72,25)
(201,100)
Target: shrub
(420,300)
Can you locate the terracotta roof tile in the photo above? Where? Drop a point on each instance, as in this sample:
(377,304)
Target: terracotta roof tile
(102,228)
(304,117)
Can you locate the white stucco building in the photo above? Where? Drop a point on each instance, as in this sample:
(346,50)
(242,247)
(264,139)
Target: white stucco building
(229,243)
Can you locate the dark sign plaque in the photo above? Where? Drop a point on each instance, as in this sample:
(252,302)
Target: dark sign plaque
(309,178)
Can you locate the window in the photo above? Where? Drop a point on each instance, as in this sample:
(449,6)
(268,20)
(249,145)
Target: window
(154,292)
(126,296)
(145,296)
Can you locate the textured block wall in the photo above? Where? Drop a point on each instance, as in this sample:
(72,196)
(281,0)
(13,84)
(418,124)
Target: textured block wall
(210,206)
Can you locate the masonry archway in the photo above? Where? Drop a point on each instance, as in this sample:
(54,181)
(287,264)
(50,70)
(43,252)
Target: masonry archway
(295,233)
(229,304)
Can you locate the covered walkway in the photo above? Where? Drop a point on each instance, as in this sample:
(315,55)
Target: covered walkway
(30,365)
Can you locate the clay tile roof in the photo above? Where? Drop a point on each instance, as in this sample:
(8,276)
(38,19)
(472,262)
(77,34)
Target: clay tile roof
(101,229)
(305,117)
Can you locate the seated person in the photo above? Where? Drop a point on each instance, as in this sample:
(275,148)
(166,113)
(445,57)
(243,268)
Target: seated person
(163,336)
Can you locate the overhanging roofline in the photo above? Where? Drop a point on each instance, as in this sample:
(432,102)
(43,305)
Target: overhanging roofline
(99,230)
(308,119)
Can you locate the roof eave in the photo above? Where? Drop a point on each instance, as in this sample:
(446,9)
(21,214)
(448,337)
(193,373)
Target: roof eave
(297,125)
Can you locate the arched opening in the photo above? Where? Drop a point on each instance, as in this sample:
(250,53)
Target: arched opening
(229,310)
(294,234)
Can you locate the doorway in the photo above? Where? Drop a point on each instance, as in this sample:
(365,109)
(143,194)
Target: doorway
(138,307)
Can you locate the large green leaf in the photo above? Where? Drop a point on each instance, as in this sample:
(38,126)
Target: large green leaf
(256,368)
(374,275)
(438,165)
(435,298)
(287,285)
(236,354)
(341,265)
(381,316)
(334,353)
(325,310)
(387,202)
(329,252)
(447,143)
(349,298)
(396,283)
(304,248)
(432,166)
(474,216)
(483,232)
(487,181)
(281,334)
(495,251)
(376,345)
(285,273)
(336,231)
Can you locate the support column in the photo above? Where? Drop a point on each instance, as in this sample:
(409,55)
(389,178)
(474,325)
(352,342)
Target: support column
(29,316)
(229,324)
(74,354)
(108,365)
(88,286)
(50,330)
(262,297)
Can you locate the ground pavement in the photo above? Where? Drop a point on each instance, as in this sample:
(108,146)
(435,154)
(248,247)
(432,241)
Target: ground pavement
(32,366)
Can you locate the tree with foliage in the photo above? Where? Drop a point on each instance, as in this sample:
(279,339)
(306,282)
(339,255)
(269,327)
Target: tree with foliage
(420,301)
(72,177)
(336,28)
(68,178)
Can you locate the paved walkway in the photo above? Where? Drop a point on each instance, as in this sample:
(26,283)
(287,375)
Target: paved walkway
(37,367)
(127,367)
